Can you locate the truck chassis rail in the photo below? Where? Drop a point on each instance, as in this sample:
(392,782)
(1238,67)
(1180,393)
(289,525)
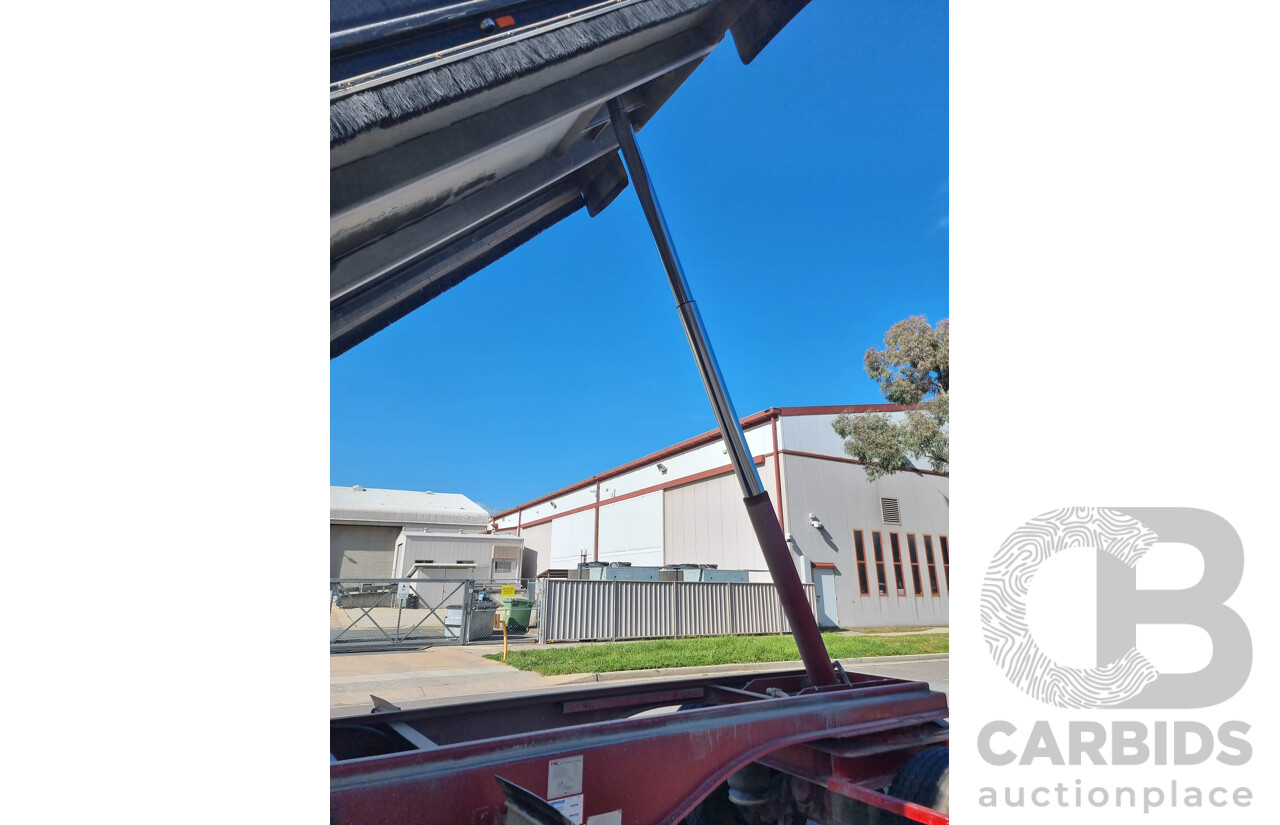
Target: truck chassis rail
(651,751)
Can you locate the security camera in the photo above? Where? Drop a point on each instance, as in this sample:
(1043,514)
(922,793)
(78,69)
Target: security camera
(813,520)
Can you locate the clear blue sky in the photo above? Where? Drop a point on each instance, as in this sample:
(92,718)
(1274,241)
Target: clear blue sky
(807,194)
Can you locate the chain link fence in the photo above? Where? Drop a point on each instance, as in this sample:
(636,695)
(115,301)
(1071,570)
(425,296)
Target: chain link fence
(515,602)
(390,613)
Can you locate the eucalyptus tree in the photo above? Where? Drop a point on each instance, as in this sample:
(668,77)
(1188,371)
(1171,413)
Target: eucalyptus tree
(912,370)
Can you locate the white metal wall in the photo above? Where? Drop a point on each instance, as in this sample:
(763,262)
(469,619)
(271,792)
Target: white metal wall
(691,462)
(445,548)
(561,504)
(571,536)
(631,531)
(813,434)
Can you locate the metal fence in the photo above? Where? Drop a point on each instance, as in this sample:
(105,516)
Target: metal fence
(580,610)
(389,613)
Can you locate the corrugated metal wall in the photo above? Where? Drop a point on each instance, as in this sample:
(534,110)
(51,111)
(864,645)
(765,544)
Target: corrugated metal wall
(358,551)
(707,523)
(630,528)
(573,610)
(452,548)
(446,549)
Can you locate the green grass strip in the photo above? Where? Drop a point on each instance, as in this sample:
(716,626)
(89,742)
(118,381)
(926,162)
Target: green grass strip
(713,650)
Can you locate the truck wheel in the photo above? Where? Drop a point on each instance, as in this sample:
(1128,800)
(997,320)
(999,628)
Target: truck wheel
(924,781)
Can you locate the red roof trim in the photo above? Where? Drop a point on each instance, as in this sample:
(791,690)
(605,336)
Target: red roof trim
(698,441)
(842,460)
(848,408)
(823,565)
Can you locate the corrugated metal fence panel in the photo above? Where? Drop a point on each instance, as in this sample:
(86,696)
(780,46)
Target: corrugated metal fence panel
(757,609)
(703,608)
(644,610)
(575,610)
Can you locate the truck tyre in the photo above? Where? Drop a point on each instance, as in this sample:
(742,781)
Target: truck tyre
(924,781)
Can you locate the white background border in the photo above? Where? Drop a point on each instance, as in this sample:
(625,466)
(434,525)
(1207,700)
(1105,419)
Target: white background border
(1113,220)
(1113,230)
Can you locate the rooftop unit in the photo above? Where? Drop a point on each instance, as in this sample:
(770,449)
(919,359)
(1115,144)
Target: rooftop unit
(617,571)
(702,573)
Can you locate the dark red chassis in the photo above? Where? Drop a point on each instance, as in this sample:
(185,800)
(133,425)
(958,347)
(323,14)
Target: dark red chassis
(822,752)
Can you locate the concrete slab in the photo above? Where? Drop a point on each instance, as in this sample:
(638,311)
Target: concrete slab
(400,661)
(415,676)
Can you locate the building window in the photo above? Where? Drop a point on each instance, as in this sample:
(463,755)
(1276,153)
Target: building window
(933,571)
(946,560)
(501,566)
(878,550)
(863,586)
(889,511)
(915,563)
(897,564)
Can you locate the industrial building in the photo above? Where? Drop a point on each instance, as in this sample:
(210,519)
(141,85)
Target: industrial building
(396,534)
(878,551)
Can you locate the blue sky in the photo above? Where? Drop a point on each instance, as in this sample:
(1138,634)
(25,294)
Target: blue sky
(807,194)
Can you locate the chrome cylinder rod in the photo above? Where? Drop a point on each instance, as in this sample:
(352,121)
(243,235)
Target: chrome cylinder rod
(739,456)
(773,545)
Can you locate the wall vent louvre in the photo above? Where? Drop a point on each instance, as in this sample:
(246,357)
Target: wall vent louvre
(889,510)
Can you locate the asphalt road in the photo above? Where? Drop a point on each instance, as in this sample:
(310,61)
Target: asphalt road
(933,671)
(451,675)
